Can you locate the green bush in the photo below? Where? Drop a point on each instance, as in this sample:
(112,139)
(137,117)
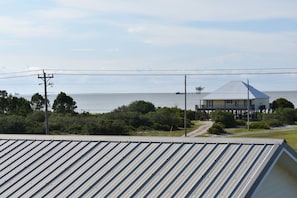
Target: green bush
(240,122)
(286,115)
(111,127)
(34,127)
(226,118)
(275,123)
(12,124)
(166,119)
(191,115)
(217,128)
(280,117)
(35,122)
(38,116)
(259,125)
(138,115)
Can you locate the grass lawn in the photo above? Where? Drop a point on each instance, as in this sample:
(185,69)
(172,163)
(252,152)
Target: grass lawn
(290,136)
(241,130)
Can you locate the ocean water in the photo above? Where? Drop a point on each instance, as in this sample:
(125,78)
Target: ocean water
(102,103)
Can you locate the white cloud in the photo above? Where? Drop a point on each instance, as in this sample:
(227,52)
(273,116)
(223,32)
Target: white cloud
(238,40)
(116,49)
(62,13)
(225,60)
(206,10)
(11,42)
(83,50)
(136,29)
(33,68)
(25,28)
(155,34)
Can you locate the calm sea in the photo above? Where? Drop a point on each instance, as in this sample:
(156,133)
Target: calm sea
(102,103)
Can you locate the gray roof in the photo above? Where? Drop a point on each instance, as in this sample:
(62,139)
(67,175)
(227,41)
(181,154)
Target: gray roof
(133,166)
(235,90)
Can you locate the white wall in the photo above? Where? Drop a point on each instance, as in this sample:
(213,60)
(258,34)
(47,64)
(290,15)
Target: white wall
(279,183)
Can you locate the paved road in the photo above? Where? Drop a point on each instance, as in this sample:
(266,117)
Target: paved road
(205,125)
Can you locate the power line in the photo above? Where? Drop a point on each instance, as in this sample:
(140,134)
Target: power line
(155,72)
(18,72)
(17,76)
(178,74)
(173,72)
(150,69)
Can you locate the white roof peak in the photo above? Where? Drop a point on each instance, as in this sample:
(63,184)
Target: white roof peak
(235,90)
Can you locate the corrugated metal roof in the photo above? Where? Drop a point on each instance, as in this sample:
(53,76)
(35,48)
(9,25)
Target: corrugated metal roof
(235,90)
(99,166)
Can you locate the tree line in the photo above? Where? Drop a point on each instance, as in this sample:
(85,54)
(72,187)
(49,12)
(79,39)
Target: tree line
(18,115)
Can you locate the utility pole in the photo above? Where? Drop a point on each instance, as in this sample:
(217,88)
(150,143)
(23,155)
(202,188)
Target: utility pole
(46,77)
(248,105)
(185,113)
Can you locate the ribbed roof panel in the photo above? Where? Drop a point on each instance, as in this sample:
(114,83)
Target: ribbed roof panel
(100,167)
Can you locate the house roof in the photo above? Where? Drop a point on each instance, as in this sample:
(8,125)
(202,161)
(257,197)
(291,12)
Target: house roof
(134,166)
(235,90)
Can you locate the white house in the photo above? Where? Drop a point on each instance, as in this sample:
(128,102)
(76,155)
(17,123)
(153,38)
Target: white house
(106,166)
(236,95)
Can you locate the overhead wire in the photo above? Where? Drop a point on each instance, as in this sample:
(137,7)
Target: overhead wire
(19,74)
(153,72)
(177,72)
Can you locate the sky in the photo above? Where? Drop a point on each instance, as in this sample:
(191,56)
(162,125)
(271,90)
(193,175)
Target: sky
(114,46)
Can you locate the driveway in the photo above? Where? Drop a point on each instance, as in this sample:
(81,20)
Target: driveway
(205,125)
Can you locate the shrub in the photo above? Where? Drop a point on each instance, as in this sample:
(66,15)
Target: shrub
(240,122)
(259,125)
(275,123)
(286,115)
(280,117)
(12,124)
(35,127)
(223,117)
(38,116)
(166,119)
(191,115)
(217,128)
(111,127)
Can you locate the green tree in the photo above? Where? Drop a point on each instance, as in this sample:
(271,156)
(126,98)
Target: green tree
(3,94)
(64,104)
(166,118)
(282,103)
(3,102)
(226,118)
(37,102)
(18,106)
(13,105)
(141,106)
(138,106)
